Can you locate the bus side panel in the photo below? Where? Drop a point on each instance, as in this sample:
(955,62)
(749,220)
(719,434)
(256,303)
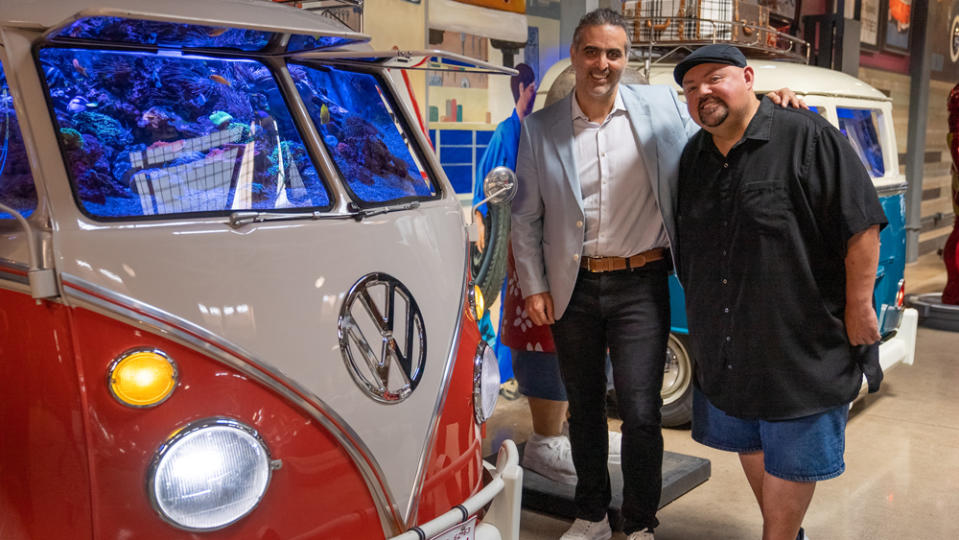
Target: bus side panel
(454,468)
(677,306)
(316,493)
(44,481)
(892,260)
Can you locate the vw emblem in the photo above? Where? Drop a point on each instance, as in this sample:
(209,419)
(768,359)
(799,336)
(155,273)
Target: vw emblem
(382,338)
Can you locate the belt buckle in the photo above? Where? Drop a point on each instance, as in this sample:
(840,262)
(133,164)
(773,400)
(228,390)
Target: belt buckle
(589,264)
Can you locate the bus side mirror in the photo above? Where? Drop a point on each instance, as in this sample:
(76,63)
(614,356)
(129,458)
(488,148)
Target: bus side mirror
(499,186)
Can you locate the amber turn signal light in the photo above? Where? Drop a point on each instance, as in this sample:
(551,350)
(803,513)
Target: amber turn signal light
(142,377)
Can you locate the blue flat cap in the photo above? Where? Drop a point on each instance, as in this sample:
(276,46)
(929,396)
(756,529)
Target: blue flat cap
(717,53)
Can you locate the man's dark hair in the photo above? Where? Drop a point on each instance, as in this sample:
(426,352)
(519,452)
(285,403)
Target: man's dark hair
(600,17)
(525,76)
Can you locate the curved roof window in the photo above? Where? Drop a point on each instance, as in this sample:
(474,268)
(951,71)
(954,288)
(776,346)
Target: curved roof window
(163,34)
(300,42)
(185,35)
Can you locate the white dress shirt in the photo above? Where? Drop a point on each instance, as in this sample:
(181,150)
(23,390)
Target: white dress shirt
(622,215)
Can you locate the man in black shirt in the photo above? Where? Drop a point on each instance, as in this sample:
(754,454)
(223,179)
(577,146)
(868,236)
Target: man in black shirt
(778,234)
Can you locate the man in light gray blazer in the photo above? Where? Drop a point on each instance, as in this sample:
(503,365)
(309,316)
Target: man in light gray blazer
(591,230)
(592,224)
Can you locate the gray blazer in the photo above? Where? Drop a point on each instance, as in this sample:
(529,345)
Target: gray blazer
(547,213)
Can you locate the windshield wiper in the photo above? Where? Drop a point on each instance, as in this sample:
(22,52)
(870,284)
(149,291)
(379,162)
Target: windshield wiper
(358,214)
(246,217)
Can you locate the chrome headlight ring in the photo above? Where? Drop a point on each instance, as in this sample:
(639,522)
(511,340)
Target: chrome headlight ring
(485,382)
(209,474)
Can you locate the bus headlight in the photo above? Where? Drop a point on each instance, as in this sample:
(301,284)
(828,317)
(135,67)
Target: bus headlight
(485,382)
(209,474)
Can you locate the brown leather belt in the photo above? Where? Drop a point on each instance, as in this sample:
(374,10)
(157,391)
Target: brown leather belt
(611,264)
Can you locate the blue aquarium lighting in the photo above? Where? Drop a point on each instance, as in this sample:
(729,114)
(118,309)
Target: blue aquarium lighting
(300,42)
(145,134)
(16,181)
(363,133)
(163,34)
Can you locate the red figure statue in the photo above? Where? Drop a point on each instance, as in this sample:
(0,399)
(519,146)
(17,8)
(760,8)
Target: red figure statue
(950,294)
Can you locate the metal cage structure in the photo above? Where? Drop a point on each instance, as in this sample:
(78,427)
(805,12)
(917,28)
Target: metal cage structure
(661,27)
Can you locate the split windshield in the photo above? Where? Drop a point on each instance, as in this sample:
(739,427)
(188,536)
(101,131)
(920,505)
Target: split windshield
(164,133)
(16,182)
(148,134)
(359,126)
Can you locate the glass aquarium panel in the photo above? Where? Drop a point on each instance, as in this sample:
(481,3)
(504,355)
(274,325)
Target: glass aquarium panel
(147,134)
(360,128)
(300,42)
(859,126)
(163,34)
(16,181)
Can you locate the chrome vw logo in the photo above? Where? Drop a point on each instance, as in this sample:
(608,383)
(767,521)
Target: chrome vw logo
(382,338)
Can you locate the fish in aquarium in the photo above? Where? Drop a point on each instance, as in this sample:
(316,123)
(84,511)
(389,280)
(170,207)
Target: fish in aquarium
(80,103)
(220,79)
(324,114)
(80,69)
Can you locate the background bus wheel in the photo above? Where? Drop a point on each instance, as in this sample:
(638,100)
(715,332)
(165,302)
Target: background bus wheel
(677,389)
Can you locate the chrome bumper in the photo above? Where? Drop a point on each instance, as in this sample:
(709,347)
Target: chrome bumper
(901,348)
(504,491)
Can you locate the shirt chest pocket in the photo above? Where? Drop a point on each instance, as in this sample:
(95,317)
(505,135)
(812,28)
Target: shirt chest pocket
(765,206)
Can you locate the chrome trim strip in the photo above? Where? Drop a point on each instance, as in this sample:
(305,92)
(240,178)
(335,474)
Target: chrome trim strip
(14,272)
(154,320)
(886,190)
(478,382)
(414,502)
(505,470)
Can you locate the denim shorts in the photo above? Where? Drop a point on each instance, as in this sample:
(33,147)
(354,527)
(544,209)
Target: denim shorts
(537,375)
(806,449)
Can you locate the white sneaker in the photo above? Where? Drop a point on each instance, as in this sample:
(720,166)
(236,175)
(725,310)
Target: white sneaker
(644,534)
(588,530)
(615,443)
(550,457)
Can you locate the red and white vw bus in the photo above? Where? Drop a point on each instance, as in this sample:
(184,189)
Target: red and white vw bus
(234,295)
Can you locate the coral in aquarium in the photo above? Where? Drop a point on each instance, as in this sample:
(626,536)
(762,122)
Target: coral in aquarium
(107,130)
(91,169)
(71,139)
(220,119)
(368,156)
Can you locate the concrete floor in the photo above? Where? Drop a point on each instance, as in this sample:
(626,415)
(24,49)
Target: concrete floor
(902,458)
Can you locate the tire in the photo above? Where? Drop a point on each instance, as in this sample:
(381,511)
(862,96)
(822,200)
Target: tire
(677,391)
(489,265)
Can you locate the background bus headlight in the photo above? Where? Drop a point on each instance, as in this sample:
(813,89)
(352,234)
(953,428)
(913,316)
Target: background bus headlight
(485,382)
(209,474)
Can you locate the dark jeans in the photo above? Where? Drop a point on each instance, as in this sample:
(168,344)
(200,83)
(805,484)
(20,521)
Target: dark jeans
(628,312)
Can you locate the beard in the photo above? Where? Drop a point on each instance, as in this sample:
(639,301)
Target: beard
(716,115)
